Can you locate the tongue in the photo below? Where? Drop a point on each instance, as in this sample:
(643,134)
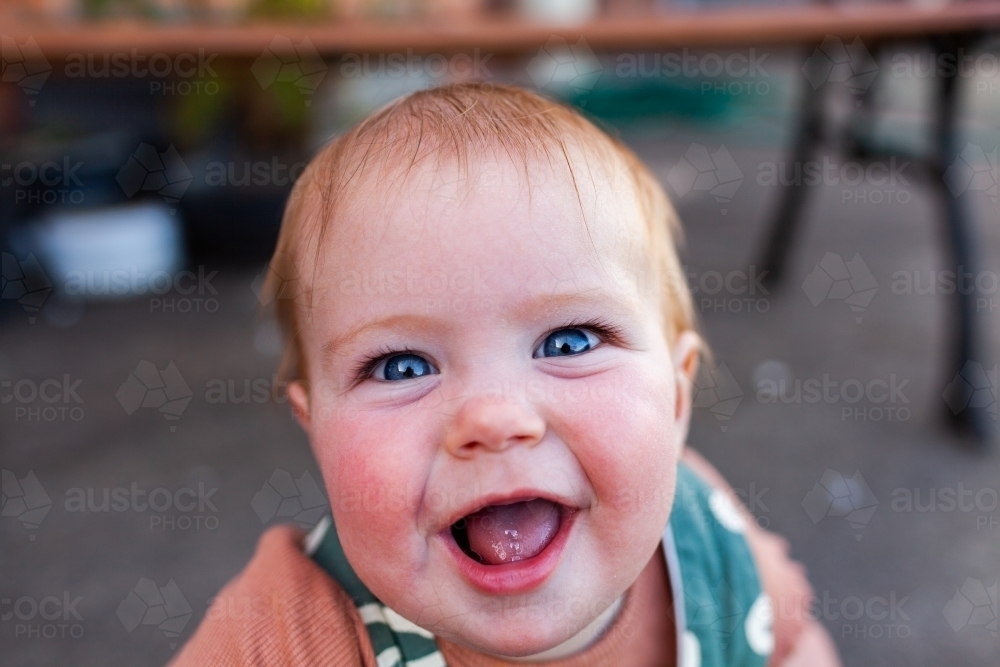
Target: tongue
(507,533)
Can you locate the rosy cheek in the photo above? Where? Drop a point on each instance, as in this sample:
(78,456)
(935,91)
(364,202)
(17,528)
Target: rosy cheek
(625,444)
(363,461)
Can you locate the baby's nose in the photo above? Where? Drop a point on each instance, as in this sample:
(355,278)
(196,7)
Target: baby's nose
(491,423)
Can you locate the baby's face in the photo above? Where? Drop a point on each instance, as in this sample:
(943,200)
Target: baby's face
(493,401)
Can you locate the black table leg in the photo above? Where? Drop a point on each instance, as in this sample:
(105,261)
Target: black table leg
(957,230)
(807,139)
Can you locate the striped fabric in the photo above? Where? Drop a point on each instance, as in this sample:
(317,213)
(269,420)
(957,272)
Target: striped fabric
(397,641)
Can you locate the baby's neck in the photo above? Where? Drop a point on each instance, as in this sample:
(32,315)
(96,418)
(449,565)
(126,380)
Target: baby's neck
(581,640)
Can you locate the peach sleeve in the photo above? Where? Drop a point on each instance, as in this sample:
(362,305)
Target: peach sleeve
(281,610)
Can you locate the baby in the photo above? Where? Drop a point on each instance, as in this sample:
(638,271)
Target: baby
(492,347)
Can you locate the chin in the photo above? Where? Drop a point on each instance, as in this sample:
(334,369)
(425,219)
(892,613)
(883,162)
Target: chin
(513,640)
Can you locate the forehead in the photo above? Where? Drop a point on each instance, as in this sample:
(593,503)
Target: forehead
(538,219)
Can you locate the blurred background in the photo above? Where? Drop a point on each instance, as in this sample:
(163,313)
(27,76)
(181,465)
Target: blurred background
(835,167)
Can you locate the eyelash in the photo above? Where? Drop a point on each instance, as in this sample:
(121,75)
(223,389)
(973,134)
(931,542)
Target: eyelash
(368,365)
(606,331)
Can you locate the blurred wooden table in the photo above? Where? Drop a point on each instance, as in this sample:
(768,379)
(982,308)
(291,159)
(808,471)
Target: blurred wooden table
(702,28)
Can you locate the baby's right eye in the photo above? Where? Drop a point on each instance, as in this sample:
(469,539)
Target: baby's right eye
(567,342)
(402,367)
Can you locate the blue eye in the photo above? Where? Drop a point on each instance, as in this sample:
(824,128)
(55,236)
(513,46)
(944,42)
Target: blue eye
(405,367)
(566,342)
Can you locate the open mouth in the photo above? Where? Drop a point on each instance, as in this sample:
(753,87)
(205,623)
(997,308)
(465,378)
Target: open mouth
(507,533)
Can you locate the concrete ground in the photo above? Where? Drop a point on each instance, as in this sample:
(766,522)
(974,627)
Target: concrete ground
(903,584)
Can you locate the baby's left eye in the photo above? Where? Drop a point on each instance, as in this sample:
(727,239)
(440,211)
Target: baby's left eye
(566,342)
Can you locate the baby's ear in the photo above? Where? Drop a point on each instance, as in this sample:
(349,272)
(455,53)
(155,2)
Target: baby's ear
(298,396)
(686,354)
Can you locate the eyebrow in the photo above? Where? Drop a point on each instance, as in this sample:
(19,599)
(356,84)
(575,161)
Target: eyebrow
(403,322)
(613,303)
(617,303)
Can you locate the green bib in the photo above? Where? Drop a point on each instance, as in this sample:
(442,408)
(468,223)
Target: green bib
(722,616)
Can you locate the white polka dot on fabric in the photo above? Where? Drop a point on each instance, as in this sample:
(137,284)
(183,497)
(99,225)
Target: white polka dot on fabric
(726,513)
(758,626)
(690,650)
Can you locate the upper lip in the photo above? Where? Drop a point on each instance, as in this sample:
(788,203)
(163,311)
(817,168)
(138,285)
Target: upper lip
(507,498)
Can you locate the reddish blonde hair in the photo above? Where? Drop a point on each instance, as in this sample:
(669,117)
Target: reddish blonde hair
(459,121)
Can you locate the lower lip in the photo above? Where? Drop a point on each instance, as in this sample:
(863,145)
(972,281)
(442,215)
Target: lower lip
(517,577)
